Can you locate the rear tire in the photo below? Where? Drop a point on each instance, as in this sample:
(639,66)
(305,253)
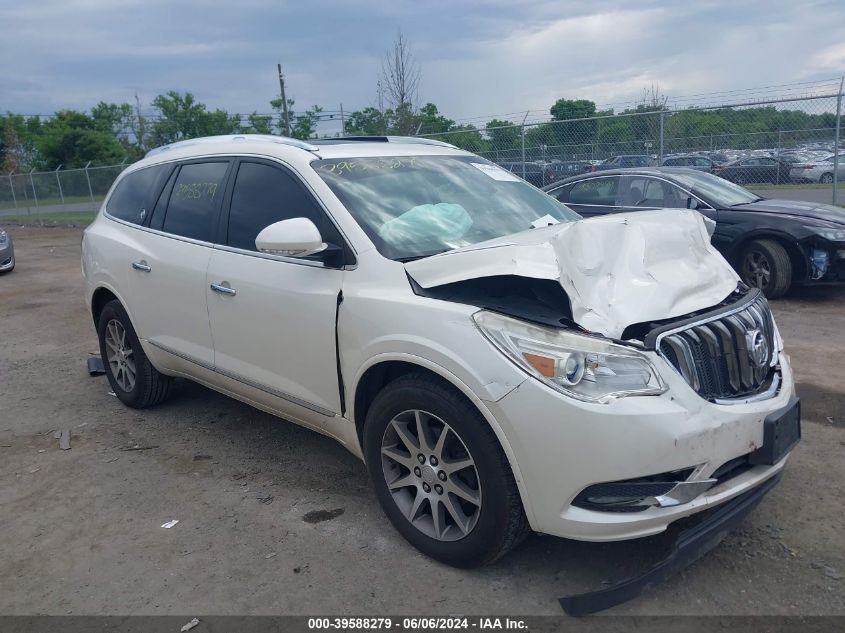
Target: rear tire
(475,532)
(826,179)
(765,264)
(131,375)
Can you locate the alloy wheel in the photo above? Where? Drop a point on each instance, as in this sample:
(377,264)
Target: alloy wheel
(431,475)
(120,355)
(757,269)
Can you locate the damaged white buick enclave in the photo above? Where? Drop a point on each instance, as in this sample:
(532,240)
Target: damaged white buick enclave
(500,364)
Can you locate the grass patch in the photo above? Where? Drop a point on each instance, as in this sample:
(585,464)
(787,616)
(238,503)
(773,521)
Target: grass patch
(50,219)
(47,202)
(795,186)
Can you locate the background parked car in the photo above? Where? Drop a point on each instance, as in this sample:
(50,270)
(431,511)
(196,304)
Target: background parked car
(625,160)
(694,161)
(771,243)
(537,174)
(7,252)
(755,169)
(819,171)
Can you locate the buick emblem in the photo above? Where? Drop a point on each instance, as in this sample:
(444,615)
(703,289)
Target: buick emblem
(758,348)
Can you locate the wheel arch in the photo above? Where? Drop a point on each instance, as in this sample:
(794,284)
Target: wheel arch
(99,299)
(380,371)
(796,255)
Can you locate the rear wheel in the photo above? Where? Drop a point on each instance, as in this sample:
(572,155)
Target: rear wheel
(765,264)
(826,179)
(132,377)
(440,474)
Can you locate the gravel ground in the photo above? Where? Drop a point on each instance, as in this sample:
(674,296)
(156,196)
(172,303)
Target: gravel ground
(274,519)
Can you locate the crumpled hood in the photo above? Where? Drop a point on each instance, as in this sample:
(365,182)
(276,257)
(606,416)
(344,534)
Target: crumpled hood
(617,269)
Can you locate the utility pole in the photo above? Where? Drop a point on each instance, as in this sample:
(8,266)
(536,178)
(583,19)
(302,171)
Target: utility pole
(836,141)
(284,99)
(342,122)
(381,105)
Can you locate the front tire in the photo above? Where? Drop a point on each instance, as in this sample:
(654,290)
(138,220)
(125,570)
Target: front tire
(440,474)
(765,264)
(131,375)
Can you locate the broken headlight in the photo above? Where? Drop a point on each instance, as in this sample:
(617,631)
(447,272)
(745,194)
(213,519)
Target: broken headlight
(583,367)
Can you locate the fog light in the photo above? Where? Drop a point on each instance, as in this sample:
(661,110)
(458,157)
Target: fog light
(819,261)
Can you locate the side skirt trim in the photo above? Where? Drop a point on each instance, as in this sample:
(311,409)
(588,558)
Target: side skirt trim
(246,381)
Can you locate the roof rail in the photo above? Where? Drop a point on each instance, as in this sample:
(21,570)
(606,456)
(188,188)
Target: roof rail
(382,139)
(265,138)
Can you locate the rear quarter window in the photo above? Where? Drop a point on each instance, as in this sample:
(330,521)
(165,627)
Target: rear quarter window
(132,197)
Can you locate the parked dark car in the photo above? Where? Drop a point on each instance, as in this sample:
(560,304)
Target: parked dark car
(755,169)
(772,244)
(693,161)
(623,161)
(537,174)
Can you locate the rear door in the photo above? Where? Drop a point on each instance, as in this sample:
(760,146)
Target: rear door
(168,266)
(274,325)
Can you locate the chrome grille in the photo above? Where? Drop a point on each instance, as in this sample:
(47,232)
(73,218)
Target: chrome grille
(728,356)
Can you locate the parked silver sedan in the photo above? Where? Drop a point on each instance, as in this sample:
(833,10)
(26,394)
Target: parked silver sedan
(818,170)
(7,252)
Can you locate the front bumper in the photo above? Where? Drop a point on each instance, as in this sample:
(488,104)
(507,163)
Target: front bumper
(7,256)
(691,544)
(562,446)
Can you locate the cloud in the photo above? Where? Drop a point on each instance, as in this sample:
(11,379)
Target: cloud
(478,58)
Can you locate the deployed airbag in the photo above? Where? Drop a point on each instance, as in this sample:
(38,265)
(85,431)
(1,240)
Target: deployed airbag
(616,269)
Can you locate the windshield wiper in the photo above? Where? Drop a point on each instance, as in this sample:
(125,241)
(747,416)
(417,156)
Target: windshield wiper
(414,258)
(739,204)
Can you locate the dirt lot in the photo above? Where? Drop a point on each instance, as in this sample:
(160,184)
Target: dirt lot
(274,519)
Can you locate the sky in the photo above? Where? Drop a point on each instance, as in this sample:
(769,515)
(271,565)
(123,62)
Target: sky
(477,59)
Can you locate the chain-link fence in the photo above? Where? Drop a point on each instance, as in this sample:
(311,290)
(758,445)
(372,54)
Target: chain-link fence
(62,190)
(789,143)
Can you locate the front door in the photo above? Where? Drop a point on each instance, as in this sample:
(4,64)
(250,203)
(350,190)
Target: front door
(273,318)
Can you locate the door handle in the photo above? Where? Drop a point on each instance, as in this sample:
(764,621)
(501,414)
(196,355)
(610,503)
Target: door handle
(141,266)
(223,290)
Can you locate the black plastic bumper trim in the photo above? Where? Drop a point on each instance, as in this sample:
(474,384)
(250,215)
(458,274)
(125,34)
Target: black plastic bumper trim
(691,544)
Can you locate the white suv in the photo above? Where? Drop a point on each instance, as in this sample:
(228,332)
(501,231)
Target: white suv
(499,364)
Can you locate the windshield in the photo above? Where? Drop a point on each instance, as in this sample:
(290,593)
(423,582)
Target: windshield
(721,192)
(416,206)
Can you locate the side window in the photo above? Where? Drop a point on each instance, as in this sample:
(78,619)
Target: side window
(264,194)
(192,208)
(132,198)
(632,191)
(702,162)
(562,193)
(595,191)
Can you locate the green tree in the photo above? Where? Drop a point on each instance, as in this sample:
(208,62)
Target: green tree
(182,117)
(304,126)
(571,131)
(430,121)
(72,139)
(367,122)
(259,124)
(17,150)
(466,137)
(503,135)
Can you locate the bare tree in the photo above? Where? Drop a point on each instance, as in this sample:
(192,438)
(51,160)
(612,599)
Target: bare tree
(400,78)
(653,99)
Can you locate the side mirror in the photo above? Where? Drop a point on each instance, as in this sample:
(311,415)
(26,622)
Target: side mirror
(692,203)
(297,237)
